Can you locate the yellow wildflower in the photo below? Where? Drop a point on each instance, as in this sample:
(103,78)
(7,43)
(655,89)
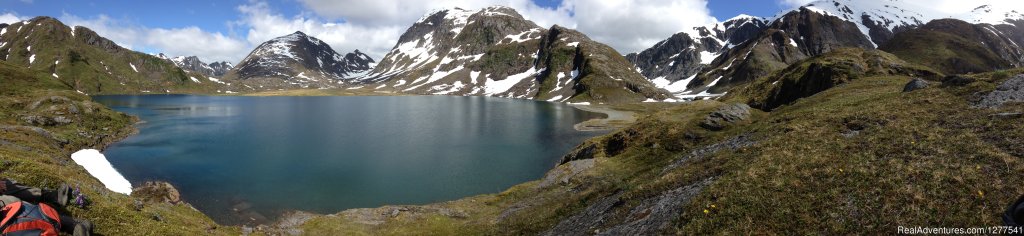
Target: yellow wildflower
(706,211)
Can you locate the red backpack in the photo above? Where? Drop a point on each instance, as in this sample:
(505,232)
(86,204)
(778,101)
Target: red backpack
(23,218)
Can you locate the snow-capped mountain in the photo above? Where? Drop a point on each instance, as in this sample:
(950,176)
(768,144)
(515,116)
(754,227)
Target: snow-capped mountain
(298,60)
(220,68)
(985,14)
(496,52)
(193,64)
(671,63)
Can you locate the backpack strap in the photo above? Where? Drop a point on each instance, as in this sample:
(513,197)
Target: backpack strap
(42,226)
(51,213)
(10,211)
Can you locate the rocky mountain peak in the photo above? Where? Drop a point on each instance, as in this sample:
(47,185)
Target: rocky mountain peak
(193,64)
(301,61)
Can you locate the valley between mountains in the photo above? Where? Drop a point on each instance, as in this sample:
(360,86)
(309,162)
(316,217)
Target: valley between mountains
(839,116)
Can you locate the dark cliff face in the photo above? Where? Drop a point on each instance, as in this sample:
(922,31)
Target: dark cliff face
(496,52)
(297,61)
(220,68)
(793,37)
(682,55)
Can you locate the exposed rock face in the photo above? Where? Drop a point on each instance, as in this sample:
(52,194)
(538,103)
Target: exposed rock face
(915,84)
(297,61)
(495,52)
(1010,91)
(726,116)
(681,56)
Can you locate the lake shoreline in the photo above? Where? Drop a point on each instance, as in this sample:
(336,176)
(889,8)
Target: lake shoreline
(616,118)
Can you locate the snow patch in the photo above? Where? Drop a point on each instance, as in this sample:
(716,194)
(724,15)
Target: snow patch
(97,165)
(31,58)
(133,67)
(707,57)
(194,79)
(501,86)
(573,44)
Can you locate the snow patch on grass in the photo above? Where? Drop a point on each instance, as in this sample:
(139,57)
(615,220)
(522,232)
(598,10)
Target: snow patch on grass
(97,165)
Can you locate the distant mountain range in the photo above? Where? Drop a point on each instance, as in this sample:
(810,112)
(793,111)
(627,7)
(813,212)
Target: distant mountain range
(496,52)
(808,31)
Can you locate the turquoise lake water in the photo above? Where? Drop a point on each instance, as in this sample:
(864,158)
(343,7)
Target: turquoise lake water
(243,158)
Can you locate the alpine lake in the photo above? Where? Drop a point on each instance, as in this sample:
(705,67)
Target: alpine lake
(247,160)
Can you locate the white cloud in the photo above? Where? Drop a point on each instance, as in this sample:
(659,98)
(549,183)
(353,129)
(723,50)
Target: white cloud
(631,26)
(210,47)
(628,26)
(10,18)
(187,41)
(794,3)
(263,24)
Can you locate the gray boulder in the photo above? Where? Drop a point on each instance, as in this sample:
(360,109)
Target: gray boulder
(915,84)
(1010,91)
(725,116)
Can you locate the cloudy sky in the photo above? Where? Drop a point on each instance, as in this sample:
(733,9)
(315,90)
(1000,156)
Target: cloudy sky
(228,30)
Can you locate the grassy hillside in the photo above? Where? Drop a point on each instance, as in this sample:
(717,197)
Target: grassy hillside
(950,46)
(82,60)
(820,73)
(43,122)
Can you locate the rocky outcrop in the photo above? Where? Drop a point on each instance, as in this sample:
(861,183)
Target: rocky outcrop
(652,215)
(157,192)
(915,84)
(1010,91)
(725,116)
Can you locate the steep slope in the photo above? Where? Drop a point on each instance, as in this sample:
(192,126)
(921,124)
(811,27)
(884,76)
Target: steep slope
(821,73)
(85,61)
(673,62)
(193,64)
(296,60)
(496,52)
(956,47)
